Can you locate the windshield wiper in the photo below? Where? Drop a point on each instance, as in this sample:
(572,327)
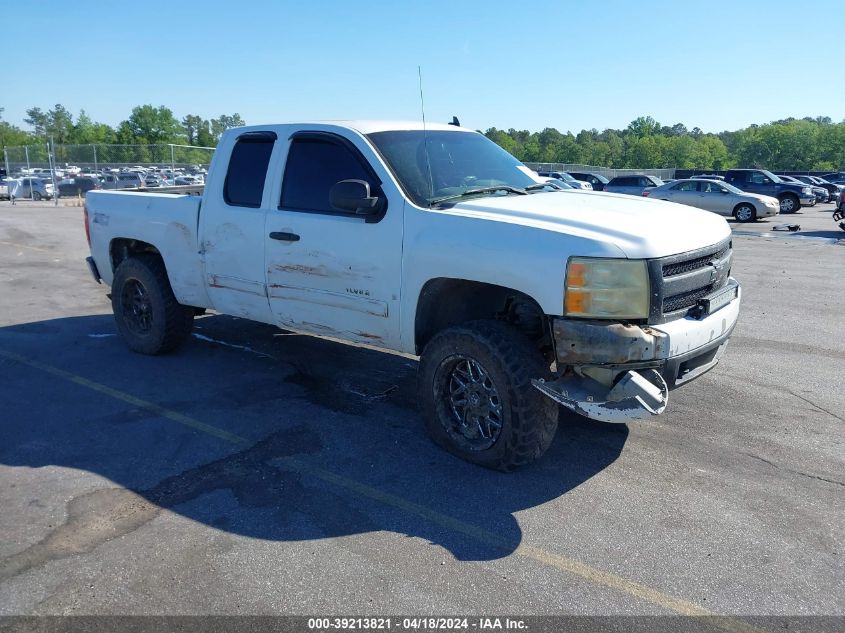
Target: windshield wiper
(478,190)
(542,185)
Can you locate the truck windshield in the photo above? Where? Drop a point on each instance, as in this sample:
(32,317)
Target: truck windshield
(459,162)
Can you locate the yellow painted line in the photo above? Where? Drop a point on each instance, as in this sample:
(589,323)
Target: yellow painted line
(576,568)
(34,248)
(557,561)
(152,407)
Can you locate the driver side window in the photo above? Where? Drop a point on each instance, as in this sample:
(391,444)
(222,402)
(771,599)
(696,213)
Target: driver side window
(313,167)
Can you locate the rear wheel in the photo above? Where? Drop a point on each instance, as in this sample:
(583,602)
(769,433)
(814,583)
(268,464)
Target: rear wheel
(146,312)
(477,398)
(789,204)
(745,213)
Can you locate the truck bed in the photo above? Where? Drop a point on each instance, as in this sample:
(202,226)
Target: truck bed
(166,220)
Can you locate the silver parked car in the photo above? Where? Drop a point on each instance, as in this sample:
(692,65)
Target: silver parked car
(35,188)
(718,197)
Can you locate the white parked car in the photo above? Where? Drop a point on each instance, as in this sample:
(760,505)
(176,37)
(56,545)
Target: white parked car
(568,179)
(187,180)
(718,197)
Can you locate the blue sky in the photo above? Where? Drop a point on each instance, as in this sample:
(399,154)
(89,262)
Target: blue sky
(569,65)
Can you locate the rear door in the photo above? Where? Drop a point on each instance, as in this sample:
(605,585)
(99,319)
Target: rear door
(683,193)
(332,272)
(714,197)
(232,231)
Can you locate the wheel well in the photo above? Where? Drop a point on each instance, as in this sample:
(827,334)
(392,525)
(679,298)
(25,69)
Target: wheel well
(788,194)
(122,248)
(444,303)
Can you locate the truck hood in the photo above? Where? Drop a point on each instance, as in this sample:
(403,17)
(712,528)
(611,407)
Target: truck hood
(639,227)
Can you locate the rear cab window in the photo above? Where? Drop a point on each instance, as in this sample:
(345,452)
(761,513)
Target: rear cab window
(247,171)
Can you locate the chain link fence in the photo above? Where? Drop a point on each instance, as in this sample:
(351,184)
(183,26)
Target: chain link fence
(96,157)
(607,172)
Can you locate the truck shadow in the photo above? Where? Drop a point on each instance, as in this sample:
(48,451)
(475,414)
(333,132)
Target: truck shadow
(332,442)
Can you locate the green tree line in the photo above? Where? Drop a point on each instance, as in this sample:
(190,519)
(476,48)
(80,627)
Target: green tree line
(790,144)
(146,125)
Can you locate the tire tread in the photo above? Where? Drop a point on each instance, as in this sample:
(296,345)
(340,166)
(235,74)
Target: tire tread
(533,416)
(178,319)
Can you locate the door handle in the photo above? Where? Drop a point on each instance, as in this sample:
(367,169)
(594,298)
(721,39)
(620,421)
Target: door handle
(284,237)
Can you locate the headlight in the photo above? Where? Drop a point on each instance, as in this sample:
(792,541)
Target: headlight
(807,190)
(606,288)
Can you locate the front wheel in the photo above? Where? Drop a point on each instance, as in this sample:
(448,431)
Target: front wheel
(477,398)
(745,213)
(789,204)
(36,196)
(148,317)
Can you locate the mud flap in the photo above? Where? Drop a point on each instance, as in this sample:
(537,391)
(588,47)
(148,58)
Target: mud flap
(638,395)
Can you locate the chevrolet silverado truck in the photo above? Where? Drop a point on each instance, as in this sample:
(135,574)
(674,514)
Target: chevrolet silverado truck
(792,196)
(435,242)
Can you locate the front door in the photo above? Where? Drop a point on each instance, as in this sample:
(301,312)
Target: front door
(331,272)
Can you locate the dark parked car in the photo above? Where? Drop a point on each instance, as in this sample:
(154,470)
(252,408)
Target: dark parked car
(597,180)
(78,186)
(634,184)
(837,177)
(820,192)
(790,195)
(832,190)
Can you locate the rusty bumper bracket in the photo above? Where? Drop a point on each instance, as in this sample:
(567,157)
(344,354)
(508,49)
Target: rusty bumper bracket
(638,395)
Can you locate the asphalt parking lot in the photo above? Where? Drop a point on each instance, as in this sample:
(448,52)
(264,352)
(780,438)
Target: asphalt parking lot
(262,472)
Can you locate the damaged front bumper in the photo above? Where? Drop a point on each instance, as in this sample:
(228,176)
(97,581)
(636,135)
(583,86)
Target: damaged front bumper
(616,372)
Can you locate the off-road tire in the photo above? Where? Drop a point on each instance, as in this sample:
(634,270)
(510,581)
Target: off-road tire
(171,322)
(529,419)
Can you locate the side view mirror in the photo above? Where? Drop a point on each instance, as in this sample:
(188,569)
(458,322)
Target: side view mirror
(723,191)
(353,195)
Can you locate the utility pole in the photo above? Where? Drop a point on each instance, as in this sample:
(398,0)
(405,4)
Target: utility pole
(29,172)
(51,158)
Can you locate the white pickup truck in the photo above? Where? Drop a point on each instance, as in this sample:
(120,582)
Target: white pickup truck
(434,242)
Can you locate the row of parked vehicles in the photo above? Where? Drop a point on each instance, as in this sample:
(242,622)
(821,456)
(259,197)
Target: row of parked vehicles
(745,194)
(40,186)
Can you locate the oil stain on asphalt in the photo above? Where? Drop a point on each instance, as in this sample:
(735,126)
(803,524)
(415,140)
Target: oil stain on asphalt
(250,475)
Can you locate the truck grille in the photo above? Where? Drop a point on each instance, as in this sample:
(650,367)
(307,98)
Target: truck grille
(688,266)
(679,282)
